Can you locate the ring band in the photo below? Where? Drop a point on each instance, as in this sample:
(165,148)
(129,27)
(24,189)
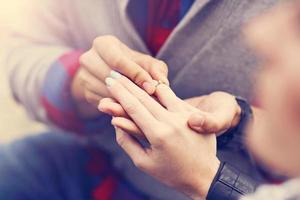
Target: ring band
(159,83)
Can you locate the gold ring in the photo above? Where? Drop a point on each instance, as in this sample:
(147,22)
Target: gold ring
(158,83)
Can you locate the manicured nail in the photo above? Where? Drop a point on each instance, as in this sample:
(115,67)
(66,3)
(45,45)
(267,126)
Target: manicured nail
(115,75)
(100,106)
(109,81)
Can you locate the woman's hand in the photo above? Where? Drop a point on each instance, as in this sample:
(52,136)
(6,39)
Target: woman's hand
(214,113)
(109,53)
(177,155)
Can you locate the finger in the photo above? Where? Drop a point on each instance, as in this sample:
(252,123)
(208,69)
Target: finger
(157,68)
(150,104)
(134,150)
(168,98)
(133,107)
(93,63)
(93,84)
(116,59)
(128,126)
(92,98)
(210,123)
(111,107)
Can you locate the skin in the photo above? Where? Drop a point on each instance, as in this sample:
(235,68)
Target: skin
(165,127)
(275,140)
(109,53)
(217,112)
(214,114)
(278,93)
(187,161)
(209,115)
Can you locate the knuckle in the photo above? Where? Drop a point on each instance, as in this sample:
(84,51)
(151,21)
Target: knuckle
(166,133)
(116,61)
(82,77)
(83,59)
(90,98)
(163,66)
(148,58)
(174,129)
(139,76)
(147,61)
(89,87)
(153,63)
(104,39)
(97,41)
(217,93)
(111,38)
(168,130)
(159,141)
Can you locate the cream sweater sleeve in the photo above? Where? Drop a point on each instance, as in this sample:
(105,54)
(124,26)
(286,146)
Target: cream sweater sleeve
(36,38)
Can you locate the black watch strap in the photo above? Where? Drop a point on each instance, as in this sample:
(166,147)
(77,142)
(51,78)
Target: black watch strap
(230,184)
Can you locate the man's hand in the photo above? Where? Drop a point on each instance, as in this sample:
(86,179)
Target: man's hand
(177,156)
(106,54)
(217,112)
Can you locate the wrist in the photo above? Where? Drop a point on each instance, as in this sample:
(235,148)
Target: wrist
(203,183)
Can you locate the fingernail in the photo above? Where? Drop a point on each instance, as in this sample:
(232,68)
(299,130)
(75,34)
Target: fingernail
(100,106)
(109,81)
(115,75)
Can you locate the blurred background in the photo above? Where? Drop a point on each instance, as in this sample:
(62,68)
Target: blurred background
(14,123)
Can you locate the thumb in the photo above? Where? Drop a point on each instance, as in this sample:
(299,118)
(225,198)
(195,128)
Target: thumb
(160,72)
(203,122)
(158,69)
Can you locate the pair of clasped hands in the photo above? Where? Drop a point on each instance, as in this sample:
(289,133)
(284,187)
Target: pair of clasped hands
(136,93)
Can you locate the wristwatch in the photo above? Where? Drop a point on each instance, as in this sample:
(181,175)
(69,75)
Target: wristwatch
(237,132)
(230,184)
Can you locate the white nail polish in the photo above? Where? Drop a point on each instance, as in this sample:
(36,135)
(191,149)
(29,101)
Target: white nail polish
(109,81)
(115,75)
